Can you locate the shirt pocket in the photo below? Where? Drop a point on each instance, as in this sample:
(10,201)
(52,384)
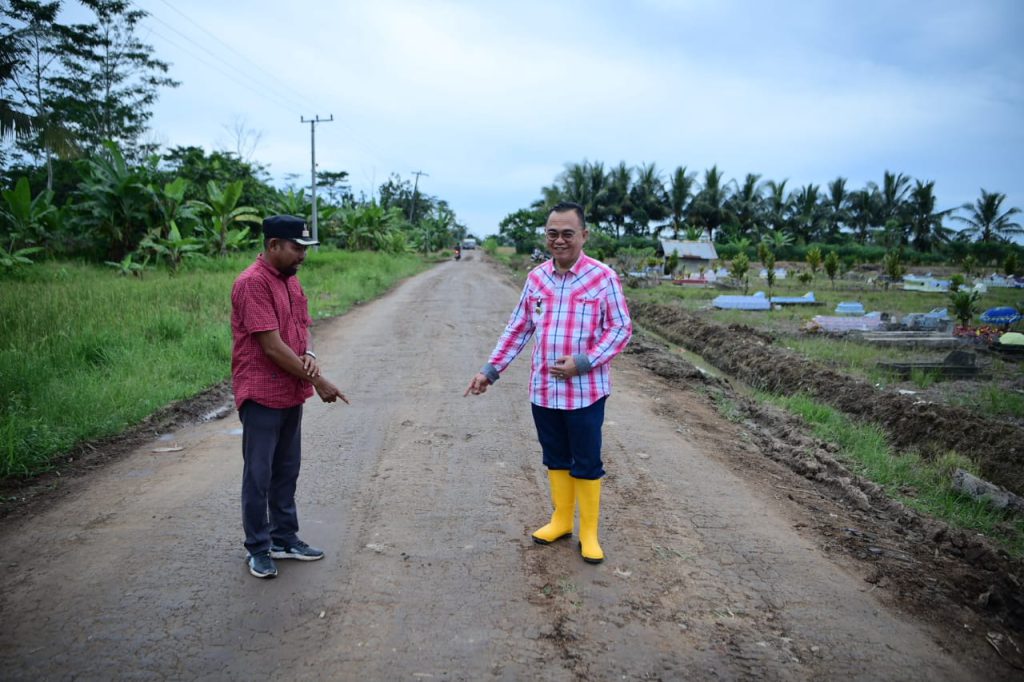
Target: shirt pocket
(586,313)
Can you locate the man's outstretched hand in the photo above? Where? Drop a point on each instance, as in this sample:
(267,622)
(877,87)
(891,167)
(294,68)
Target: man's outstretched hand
(478,385)
(327,391)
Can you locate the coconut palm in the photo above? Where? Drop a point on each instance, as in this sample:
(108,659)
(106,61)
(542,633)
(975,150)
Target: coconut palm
(747,206)
(926,227)
(680,192)
(808,214)
(709,208)
(836,208)
(619,204)
(862,213)
(987,221)
(776,206)
(648,198)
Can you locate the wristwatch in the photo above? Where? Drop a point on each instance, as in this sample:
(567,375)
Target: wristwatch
(310,354)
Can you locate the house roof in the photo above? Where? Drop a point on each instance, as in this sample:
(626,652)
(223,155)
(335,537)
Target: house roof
(689,249)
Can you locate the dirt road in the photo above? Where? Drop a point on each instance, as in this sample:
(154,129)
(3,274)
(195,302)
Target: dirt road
(424,501)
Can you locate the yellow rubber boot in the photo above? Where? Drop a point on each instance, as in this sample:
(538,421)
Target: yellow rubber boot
(563,498)
(588,496)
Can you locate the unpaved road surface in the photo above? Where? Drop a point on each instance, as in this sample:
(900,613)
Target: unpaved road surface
(424,501)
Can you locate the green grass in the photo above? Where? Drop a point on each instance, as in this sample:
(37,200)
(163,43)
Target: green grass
(923,485)
(85,353)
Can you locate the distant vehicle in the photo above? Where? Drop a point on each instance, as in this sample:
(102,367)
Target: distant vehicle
(468,244)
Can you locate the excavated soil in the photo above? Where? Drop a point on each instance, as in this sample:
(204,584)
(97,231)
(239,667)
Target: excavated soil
(930,429)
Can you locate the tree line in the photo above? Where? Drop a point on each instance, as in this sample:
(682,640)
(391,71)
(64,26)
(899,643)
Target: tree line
(900,212)
(80,176)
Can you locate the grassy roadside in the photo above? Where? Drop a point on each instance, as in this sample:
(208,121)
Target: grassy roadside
(921,485)
(84,354)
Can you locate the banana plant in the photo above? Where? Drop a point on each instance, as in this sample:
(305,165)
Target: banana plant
(128,267)
(27,217)
(174,248)
(225,231)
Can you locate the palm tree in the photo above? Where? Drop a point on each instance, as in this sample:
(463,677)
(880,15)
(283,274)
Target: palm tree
(891,204)
(680,192)
(648,198)
(985,221)
(925,222)
(709,206)
(776,206)
(747,205)
(835,204)
(618,202)
(862,213)
(808,213)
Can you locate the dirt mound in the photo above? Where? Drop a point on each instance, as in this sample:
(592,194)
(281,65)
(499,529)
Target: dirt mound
(927,428)
(926,564)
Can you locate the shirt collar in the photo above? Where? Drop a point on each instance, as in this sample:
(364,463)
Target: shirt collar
(576,267)
(263,263)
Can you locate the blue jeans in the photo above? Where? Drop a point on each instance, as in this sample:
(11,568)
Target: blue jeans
(272,453)
(571,439)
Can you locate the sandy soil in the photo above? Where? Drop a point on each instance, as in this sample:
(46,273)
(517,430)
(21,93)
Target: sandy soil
(725,560)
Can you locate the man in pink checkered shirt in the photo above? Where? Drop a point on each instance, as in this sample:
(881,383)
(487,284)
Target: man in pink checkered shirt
(574,307)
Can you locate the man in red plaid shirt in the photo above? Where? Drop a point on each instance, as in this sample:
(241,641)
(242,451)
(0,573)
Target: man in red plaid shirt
(273,371)
(574,307)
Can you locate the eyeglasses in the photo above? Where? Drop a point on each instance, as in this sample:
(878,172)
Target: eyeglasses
(566,235)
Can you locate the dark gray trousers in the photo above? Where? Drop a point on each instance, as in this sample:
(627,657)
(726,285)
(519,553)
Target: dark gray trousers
(272,453)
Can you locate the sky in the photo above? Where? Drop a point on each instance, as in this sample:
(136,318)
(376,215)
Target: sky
(492,99)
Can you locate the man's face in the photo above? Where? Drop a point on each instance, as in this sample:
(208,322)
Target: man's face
(286,256)
(565,238)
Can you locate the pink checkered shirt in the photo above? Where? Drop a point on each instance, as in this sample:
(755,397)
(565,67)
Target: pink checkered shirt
(582,313)
(262,300)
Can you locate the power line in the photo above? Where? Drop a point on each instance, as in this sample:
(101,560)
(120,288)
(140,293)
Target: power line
(237,53)
(254,81)
(261,93)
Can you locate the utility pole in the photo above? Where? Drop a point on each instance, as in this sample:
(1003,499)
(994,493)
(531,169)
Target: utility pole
(412,208)
(312,146)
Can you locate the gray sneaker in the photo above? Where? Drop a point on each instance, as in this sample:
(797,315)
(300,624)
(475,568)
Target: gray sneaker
(298,550)
(261,565)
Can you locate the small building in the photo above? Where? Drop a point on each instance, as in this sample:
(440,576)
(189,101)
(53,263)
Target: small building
(693,255)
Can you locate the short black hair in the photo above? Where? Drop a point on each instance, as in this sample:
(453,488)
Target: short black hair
(565,206)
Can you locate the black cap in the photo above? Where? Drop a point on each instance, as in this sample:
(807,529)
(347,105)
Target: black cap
(288,227)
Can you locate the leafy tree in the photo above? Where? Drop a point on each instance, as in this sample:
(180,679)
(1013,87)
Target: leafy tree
(520,228)
(1011,265)
(987,220)
(832,267)
(738,269)
(767,256)
(813,259)
(199,169)
(111,79)
(892,264)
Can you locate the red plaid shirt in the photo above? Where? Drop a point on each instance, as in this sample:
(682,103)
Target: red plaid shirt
(582,313)
(262,300)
